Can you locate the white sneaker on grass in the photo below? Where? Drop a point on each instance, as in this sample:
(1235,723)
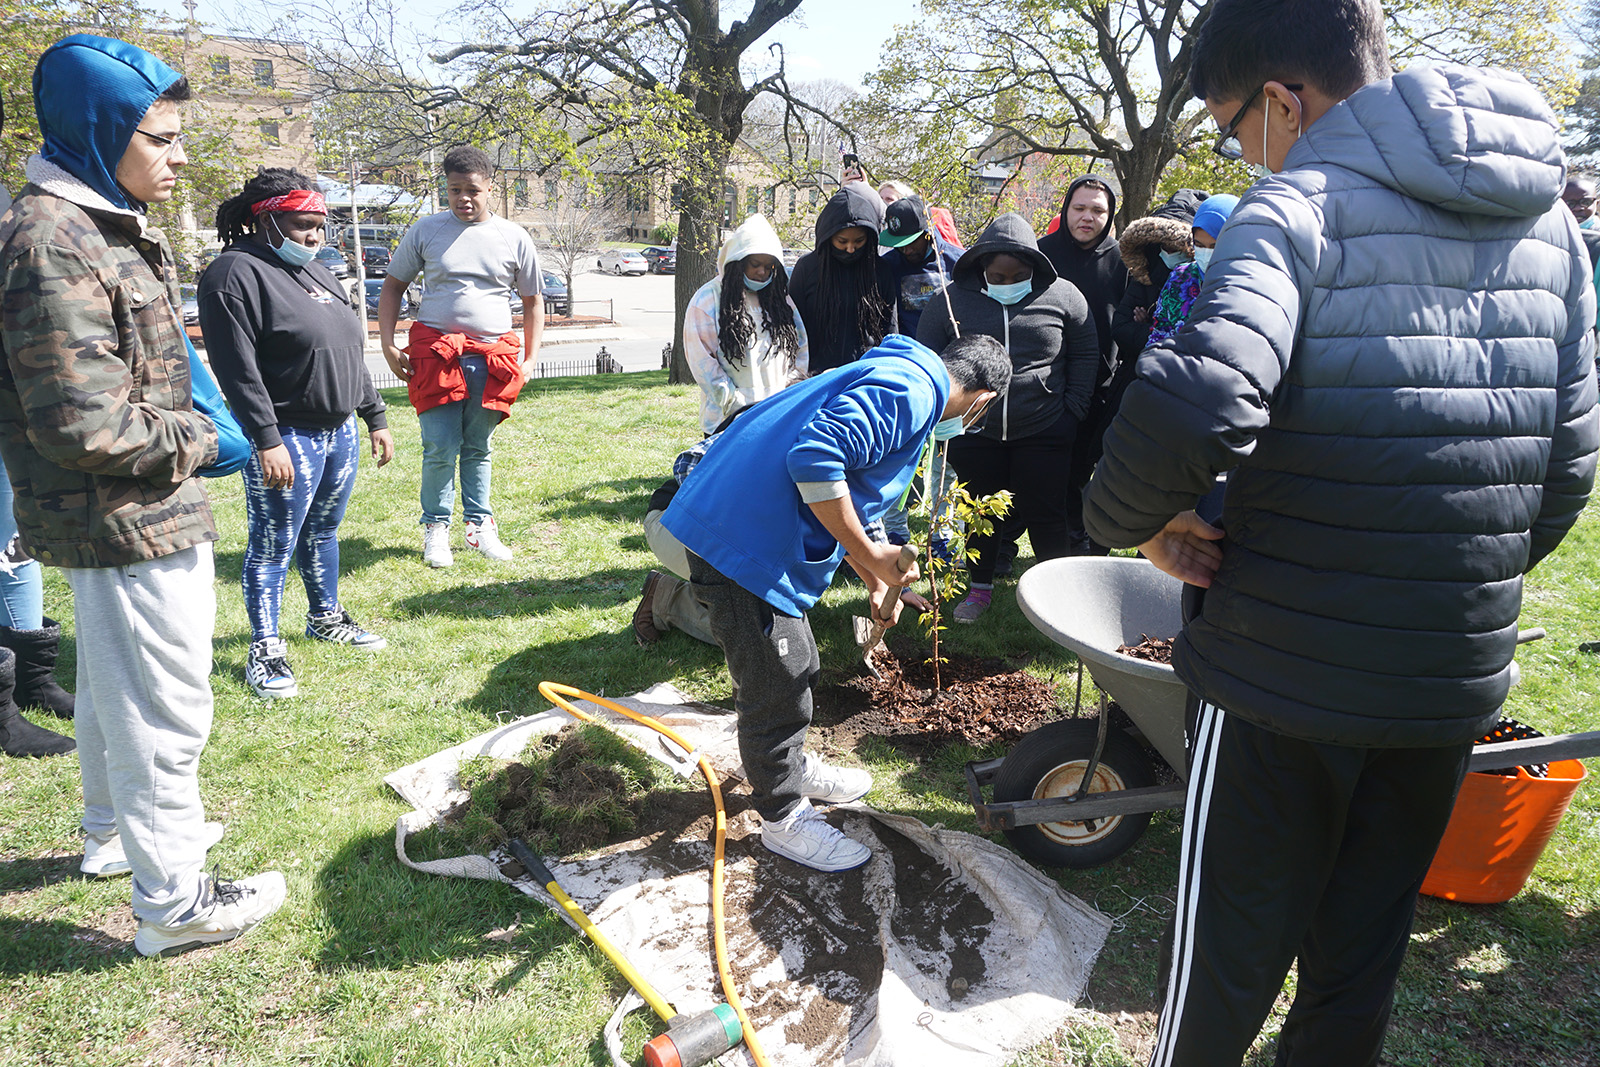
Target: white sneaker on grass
(808,840)
(266,669)
(485,537)
(338,627)
(832,785)
(436,545)
(105,857)
(227,909)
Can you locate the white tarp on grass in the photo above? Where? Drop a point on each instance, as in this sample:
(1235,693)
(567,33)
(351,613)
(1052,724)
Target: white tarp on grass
(945,948)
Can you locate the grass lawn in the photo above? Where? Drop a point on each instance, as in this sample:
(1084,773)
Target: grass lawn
(370,963)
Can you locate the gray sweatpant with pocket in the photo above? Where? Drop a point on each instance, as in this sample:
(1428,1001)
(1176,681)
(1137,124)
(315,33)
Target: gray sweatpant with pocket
(143,716)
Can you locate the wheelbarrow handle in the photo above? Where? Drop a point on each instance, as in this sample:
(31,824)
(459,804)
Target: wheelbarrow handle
(1534,634)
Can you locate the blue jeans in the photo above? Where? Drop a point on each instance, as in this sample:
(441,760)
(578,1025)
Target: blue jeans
(462,430)
(21,584)
(302,520)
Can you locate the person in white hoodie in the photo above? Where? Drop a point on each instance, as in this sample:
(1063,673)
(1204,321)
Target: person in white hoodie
(742,335)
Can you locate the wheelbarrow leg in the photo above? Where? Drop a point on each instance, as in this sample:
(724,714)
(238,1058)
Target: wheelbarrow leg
(1094,761)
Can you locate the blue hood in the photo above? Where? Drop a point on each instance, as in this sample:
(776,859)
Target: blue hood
(90,94)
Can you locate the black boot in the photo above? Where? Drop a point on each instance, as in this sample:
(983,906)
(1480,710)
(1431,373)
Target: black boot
(36,668)
(18,736)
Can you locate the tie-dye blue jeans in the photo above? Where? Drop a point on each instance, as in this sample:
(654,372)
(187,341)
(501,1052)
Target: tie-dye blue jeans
(302,521)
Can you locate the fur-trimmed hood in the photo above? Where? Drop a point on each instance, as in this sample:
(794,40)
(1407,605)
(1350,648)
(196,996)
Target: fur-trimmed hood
(1151,236)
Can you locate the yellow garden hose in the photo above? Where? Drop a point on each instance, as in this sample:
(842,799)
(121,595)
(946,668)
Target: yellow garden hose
(556,693)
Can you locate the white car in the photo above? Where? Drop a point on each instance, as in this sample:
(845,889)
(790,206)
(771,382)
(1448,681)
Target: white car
(623,261)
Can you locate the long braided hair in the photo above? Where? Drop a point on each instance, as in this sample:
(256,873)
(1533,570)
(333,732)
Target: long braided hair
(735,330)
(848,296)
(234,221)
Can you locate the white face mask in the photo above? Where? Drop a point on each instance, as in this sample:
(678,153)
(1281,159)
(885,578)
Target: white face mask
(1261,169)
(1202,257)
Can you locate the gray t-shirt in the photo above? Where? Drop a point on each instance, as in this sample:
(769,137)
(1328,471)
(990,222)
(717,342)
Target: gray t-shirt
(469,272)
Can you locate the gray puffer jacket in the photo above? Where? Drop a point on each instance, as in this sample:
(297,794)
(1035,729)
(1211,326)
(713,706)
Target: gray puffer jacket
(1393,354)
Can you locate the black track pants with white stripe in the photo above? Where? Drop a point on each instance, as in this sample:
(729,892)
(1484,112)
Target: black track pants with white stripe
(1297,850)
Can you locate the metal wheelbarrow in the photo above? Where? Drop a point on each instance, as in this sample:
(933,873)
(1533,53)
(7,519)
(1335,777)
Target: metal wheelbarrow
(1078,793)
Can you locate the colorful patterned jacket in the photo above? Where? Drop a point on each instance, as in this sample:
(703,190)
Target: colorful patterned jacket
(96,425)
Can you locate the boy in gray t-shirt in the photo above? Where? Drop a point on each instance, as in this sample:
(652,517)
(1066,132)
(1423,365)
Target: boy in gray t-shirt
(462,363)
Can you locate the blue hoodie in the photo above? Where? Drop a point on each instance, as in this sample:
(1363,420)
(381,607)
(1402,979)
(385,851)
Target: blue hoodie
(90,94)
(864,424)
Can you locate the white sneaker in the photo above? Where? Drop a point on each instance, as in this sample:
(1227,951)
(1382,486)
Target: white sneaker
(266,669)
(832,785)
(338,627)
(106,858)
(485,537)
(436,545)
(226,910)
(805,838)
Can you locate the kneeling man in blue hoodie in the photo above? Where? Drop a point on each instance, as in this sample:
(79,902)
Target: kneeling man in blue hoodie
(781,498)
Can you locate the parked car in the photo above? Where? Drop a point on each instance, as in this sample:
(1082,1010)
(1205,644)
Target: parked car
(191,304)
(408,303)
(334,260)
(623,261)
(556,300)
(661,260)
(375,260)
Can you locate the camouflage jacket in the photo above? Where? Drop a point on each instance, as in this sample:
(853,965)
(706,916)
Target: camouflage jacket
(96,426)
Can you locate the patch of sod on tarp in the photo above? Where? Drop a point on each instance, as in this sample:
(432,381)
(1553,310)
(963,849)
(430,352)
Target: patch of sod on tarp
(567,793)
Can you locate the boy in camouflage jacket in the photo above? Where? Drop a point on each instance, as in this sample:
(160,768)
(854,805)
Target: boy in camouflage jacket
(103,447)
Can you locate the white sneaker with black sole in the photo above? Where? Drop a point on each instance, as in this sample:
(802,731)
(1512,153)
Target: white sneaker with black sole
(106,858)
(828,784)
(266,669)
(485,537)
(436,545)
(338,627)
(808,840)
(227,908)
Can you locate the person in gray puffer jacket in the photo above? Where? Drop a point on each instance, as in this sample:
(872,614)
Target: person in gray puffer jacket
(1003,286)
(1393,355)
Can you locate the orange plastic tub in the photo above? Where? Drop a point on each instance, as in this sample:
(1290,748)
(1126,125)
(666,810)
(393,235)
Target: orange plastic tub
(1497,830)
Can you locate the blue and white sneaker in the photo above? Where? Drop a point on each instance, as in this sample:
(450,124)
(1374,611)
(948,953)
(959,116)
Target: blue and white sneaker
(266,669)
(337,626)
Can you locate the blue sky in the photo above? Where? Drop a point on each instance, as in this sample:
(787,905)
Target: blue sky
(838,39)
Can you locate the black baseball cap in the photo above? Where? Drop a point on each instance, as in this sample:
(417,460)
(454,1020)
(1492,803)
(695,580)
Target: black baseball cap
(904,221)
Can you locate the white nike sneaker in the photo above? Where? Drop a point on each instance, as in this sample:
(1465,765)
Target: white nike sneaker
(808,840)
(436,545)
(832,785)
(105,858)
(485,537)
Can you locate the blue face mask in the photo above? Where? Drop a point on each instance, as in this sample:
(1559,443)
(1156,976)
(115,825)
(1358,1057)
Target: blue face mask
(1174,260)
(948,428)
(1202,257)
(291,252)
(1589,223)
(1009,294)
(755,286)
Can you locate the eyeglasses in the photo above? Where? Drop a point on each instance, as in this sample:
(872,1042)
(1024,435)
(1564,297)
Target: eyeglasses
(1228,146)
(1570,201)
(169,142)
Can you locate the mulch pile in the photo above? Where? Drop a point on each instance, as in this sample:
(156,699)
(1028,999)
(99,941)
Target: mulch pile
(981,700)
(1154,649)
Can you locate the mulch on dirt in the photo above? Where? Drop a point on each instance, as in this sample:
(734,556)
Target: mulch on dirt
(981,700)
(1154,649)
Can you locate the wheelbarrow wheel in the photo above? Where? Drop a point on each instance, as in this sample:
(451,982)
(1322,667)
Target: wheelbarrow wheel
(1049,763)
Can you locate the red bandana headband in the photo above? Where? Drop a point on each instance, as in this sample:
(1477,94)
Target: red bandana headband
(294,200)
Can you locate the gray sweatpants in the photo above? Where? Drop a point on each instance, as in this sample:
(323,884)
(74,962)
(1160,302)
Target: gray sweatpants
(143,716)
(773,660)
(674,606)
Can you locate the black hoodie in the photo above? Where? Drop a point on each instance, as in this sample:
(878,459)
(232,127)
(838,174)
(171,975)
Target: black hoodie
(1168,228)
(1097,272)
(1047,333)
(285,344)
(855,204)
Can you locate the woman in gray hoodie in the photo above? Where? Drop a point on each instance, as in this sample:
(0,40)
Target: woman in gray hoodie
(1004,286)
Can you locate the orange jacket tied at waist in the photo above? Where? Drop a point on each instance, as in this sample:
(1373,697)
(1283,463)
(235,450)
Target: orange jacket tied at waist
(436,376)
